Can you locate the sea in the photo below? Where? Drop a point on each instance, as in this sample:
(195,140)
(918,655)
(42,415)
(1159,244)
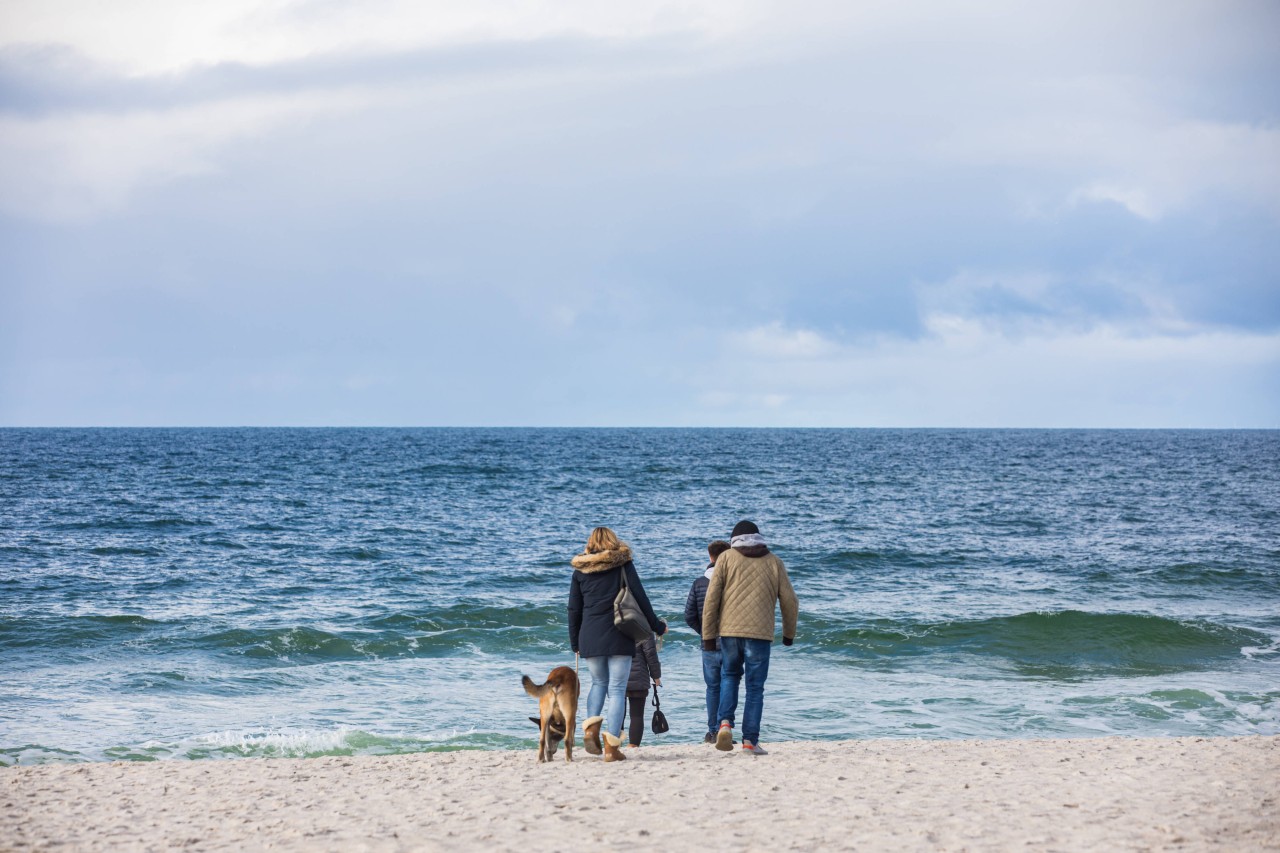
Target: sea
(203,594)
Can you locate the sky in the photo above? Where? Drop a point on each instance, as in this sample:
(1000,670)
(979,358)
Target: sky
(571,213)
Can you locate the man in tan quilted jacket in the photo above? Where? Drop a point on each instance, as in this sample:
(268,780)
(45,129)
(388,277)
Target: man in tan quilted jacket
(747,585)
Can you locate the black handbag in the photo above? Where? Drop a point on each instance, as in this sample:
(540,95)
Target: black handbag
(627,615)
(659,721)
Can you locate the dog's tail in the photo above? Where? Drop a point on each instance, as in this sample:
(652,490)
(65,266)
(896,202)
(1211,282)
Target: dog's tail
(531,688)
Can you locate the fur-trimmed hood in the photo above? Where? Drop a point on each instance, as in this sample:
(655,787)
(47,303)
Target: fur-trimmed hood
(602,561)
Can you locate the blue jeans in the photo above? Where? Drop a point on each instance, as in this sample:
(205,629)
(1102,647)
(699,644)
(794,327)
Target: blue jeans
(711,675)
(609,677)
(742,655)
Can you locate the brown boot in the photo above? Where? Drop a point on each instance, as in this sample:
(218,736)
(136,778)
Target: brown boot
(591,735)
(611,748)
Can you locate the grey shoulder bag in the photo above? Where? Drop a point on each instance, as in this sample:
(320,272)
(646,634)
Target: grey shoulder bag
(627,615)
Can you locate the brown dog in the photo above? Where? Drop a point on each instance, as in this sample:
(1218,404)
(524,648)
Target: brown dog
(557,704)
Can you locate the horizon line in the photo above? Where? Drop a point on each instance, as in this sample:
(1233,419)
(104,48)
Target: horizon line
(634,427)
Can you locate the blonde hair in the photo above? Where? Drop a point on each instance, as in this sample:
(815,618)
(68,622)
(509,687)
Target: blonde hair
(602,539)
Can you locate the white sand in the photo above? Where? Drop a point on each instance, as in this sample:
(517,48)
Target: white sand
(1101,794)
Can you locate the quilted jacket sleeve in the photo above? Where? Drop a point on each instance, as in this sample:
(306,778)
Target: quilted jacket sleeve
(788,602)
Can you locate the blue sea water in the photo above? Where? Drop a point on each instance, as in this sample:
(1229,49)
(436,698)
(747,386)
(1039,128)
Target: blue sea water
(207,593)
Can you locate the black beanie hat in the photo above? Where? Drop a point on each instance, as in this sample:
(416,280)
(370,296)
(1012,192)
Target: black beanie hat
(742,528)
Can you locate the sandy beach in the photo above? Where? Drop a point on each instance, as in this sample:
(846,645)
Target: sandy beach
(1097,794)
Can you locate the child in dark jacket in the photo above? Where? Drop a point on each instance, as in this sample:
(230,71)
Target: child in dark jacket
(645,667)
(710,660)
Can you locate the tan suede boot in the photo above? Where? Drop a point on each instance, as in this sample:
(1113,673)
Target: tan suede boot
(612,748)
(591,735)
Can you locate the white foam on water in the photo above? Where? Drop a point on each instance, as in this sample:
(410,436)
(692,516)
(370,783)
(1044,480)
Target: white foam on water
(302,743)
(1255,652)
(264,743)
(35,754)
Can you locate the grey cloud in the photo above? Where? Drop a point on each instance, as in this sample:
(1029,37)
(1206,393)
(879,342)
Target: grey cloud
(39,80)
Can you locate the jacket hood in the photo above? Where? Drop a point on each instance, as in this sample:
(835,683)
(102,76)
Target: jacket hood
(749,545)
(602,561)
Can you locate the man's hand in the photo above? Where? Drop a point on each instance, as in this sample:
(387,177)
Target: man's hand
(786,641)
(708,645)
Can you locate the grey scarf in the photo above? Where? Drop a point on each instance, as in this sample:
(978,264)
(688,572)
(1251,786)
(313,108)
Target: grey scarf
(749,545)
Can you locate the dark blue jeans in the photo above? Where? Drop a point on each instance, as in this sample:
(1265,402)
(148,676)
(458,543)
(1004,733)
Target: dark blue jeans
(711,675)
(743,656)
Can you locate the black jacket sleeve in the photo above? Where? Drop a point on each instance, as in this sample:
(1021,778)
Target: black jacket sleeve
(575,612)
(692,615)
(651,656)
(637,589)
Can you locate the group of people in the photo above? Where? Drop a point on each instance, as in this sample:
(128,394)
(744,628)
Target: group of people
(731,607)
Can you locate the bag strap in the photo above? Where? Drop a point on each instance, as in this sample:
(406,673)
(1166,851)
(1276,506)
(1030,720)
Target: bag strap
(655,702)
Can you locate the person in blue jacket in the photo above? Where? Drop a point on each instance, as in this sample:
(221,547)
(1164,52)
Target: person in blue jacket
(598,576)
(710,659)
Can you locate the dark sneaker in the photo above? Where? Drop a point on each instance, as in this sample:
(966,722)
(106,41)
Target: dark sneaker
(753,748)
(724,737)
(708,738)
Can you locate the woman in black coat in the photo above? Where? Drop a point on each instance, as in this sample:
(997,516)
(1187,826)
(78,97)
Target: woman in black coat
(598,575)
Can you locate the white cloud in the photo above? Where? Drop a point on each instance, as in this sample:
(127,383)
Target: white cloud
(1136,201)
(1018,303)
(965,373)
(68,168)
(1172,164)
(1000,92)
(140,36)
(776,341)
(156,36)
(1152,163)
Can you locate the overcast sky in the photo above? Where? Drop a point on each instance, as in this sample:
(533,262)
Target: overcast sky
(511,212)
